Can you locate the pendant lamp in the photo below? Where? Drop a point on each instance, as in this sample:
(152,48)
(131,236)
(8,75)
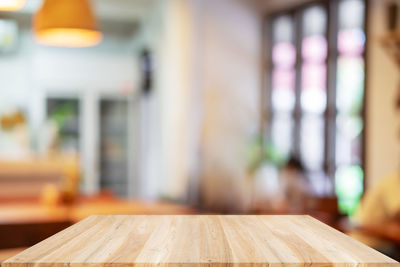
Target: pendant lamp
(67,23)
(11,5)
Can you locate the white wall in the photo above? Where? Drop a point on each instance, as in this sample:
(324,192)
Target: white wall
(383,124)
(231,63)
(207,86)
(151,36)
(175,88)
(167,143)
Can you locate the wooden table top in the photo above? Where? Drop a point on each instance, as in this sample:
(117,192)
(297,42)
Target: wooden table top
(202,240)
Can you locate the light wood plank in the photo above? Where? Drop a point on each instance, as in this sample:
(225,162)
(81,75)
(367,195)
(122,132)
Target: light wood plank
(199,240)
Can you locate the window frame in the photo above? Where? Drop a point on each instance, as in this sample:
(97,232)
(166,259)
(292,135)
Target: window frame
(330,113)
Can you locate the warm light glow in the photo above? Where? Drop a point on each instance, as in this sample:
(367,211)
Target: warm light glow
(68,37)
(11,5)
(68,23)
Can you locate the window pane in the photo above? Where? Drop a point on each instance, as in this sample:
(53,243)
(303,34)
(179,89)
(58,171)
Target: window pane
(314,53)
(281,133)
(348,140)
(312,142)
(350,85)
(320,183)
(351,45)
(314,49)
(351,14)
(349,187)
(314,21)
(349,102)
(349,94)
(313,94)
(351,42)
(8,35)
(282,29)
(283,95)
(65,114)
(284,55)
(114,146)
(284,59)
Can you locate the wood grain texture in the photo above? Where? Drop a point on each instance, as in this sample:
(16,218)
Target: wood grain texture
(199,240)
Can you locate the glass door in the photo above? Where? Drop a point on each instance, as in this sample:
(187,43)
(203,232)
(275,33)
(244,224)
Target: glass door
(114,146)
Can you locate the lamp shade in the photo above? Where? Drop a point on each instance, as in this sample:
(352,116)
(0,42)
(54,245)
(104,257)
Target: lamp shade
(68,23)
(11,5)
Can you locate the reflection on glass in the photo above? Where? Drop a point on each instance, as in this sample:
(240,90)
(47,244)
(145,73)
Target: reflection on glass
(312,141)
(281,133)
(348,140)
(349,187)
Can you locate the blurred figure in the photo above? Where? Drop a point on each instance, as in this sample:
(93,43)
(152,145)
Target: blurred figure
(379,208)
(294,186)
(382,203)
(380,211)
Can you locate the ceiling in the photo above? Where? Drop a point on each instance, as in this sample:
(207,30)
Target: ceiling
(112,10)
(277,5)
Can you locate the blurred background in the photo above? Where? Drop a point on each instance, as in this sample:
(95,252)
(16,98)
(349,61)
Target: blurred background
(199,106)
